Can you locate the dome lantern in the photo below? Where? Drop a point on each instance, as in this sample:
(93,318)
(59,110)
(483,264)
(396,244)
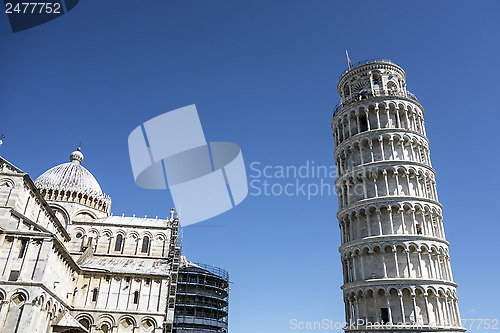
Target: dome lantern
(74,183)
(76,156)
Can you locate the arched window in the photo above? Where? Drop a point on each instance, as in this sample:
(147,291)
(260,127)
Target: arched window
(384,314)
(145,244)
(119,242)
(126,325)
(105,328)
(363,123)
(363,93)
(148,325)
(24,244)
(15,311)
(85,323)
(95,293)
(392,87)
(346,90)
(136,297)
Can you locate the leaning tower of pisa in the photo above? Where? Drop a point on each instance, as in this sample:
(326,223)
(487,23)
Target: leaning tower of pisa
(395,259)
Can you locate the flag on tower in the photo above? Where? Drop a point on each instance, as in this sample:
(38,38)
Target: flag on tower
(348,60)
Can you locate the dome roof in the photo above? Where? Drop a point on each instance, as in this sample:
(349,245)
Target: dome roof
(71,176)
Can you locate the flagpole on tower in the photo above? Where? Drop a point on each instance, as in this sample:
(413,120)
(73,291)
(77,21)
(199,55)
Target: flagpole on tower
(348,60)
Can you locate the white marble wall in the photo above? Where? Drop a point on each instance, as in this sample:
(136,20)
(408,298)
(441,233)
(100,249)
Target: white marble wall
(35,242)
(394,253)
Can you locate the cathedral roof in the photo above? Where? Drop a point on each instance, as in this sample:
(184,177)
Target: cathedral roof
(71,176)
(130,222)
(65,322)
(127,265)
(188,264)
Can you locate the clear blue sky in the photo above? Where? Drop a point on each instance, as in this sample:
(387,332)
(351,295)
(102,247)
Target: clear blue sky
(263,74)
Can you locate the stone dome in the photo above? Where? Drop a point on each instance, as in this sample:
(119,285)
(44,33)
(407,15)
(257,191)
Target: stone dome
(71,176)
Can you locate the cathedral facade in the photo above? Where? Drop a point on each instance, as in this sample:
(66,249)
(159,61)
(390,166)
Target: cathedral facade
(69,265)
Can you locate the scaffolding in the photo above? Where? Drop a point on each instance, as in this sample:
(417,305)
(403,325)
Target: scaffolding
(202,302)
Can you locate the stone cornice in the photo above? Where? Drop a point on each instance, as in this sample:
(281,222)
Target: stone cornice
(401,282)
(396,238)
(379,132)
(373,99)
(389,163)
(128,312)
(387,200)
